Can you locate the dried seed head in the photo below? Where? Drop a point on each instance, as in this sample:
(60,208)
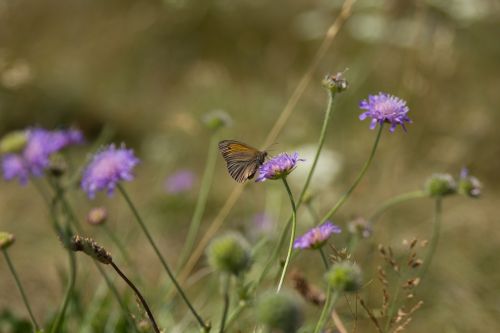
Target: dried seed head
(309,292)
(90,248)
(97,216)
(6,240)
(335,83)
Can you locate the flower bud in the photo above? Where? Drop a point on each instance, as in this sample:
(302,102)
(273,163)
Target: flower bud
(344,276)
(440,185)
(217,119)
(279,312)
(469,185)
(13,142)
(335,83)
(229,253)
(97,216)
(6,240)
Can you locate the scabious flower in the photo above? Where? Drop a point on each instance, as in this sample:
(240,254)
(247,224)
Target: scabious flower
(469,185)
(316,237)
(440,185)
(385,108)
(278,167)
(108,167)
(34,157)
(179,182)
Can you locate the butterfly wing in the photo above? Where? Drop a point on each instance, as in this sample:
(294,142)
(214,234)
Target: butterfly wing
(241,159)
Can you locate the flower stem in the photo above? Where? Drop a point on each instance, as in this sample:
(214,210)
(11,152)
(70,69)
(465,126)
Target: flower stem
(394,303)
(436,228)
(331,299)
(324,258)
(201,203)
(36,328)
(321,141)
(139,220)
(225,290)
(346,195)
(292,235)
(322,137)
(56,327)
(139,295)
(396,201)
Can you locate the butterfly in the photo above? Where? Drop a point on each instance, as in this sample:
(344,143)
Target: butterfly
(242,160)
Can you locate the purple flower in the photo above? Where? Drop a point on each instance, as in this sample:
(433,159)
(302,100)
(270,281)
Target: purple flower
(14,166)
(179,182)
(35,157)
(316,237)
(108,167)
(278,167)
(385,108)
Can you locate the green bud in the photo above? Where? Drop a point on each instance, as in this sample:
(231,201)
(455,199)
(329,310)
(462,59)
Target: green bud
(335,83)
(217,119)
(469,185)
(280,312)
(13,142)
(229,253)
(344,276)
(6,240)
(440,185)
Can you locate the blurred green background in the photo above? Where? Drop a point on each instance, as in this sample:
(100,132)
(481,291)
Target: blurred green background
(150,70)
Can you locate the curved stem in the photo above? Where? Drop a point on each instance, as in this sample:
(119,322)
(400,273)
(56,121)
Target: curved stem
(201,203)
(139,295)
(36,328)
(321,141)
(225,292)
(396,201)
(331,299)
(139,220)
(436,228)
(292,234)
(324,258)
(69,290)
(346,195)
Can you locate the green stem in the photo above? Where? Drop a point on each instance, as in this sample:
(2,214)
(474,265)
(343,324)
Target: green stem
(36,328)
(69,290)
(436,228)
(346,195)
(324,258)
(292,234)
(322,137)
(201,203)
(394,304)
(331,299)
(396,201)
(225,290)
(236,312)
(205,327)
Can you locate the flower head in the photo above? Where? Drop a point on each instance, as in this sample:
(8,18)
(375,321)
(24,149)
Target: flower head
(14,166)
(280,312)
(385,108)
(344,276)
(469,185)
(278,167)
(179,182)
(440,185)
(229,253)
(108,167)
(316,237)
(6,240)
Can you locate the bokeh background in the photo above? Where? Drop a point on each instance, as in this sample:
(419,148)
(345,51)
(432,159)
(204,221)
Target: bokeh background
(150,70)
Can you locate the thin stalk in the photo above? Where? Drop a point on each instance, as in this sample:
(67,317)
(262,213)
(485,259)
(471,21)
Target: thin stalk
(242,305)
(139,295)
(201,203)
(346,195)
(225,294)
(324,258)
(292,234)
(139,220)
(331,299)
(436,229)
(396,201)
(36,328)
(56,327)
(394,303)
